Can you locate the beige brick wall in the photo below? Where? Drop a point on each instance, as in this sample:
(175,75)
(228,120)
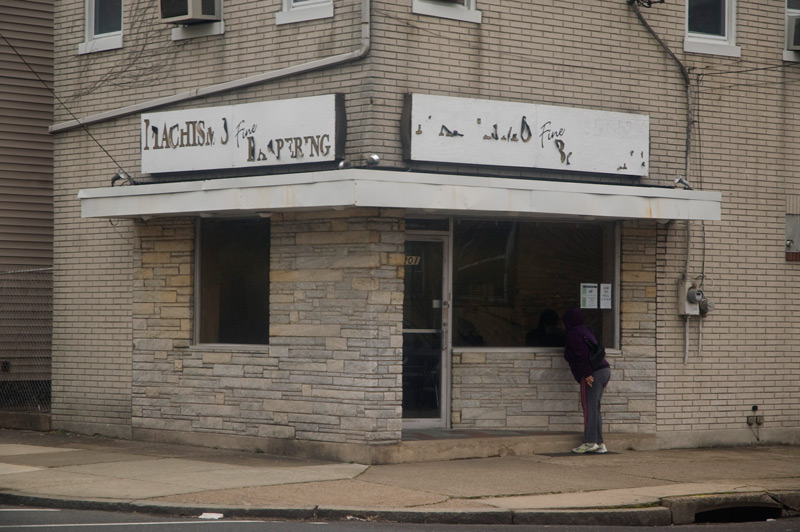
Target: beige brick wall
(91,368)
(593,55)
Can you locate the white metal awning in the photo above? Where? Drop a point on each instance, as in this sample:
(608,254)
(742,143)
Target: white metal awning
(415,192)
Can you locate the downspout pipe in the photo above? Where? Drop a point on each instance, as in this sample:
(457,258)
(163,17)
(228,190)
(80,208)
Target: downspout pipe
(265,77)
(687,80)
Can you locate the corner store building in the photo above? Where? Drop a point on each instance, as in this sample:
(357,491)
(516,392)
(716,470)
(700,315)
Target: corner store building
(405,294)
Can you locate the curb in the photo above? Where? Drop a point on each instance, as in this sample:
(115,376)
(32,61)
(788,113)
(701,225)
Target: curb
(439,517)
(672,511)
(647,516)
(598,516)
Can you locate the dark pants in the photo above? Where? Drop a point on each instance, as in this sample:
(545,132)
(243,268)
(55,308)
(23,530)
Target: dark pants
(590,401)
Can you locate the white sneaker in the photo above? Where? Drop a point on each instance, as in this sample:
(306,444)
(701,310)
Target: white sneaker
(601,449)
(586,448)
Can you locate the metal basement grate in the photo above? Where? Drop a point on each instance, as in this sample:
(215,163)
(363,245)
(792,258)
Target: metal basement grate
(738,514)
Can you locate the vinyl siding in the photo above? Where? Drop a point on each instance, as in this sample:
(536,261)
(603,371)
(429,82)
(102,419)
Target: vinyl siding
(26,146)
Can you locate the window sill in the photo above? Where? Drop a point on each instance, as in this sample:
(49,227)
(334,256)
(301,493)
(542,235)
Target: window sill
(192,31)
(789,55)
(302,14)
(229,348)
(421,7)
(101,44)
(520,349)
(700,46)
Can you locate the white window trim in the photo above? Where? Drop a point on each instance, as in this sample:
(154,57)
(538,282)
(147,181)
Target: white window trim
(432,8)
(111,41)
(314,10)
(701,43)
(97,43)
(789,55)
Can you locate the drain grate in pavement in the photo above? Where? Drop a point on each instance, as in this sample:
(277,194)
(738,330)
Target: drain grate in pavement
(738,514)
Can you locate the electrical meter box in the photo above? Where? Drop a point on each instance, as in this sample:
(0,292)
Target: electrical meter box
(689,298)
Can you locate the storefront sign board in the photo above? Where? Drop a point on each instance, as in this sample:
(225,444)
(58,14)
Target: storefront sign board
(284,132)
(486,132)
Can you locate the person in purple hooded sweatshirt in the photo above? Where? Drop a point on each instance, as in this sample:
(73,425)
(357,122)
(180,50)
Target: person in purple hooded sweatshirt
(592,382)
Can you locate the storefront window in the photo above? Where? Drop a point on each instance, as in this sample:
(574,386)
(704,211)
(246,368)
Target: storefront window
(234,281)
(512,281)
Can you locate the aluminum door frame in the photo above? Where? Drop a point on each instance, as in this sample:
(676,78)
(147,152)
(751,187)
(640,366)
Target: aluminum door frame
(443,422)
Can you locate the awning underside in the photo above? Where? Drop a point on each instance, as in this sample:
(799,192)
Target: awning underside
(415,192)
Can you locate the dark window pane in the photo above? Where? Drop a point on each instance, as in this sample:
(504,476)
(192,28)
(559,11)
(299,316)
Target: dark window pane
(793,4)
(234,281)
(794,35)
(511,279)
(707,16)
(423,224)
(107,16)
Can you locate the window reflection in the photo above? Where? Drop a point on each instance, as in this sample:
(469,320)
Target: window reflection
(707,16)
(234,281)
(513,280)
(107,16)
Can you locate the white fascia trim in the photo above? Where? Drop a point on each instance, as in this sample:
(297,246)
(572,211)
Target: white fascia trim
(304,13)
(454,12)
(101,44)
(429,193)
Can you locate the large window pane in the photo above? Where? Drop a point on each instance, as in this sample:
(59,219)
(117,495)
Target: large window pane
(511,279)
(234,281)
(707,17)
(107,16)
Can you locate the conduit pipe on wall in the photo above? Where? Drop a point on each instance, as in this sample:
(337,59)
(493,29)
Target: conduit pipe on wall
(265,77)
(687,80)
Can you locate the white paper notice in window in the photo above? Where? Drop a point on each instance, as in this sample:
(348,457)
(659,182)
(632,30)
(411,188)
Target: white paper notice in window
(588,295)
(606,296)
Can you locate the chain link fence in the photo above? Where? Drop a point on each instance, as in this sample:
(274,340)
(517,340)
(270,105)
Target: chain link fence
(26,326)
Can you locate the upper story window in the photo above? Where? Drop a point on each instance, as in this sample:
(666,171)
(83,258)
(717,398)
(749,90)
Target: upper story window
(792,51)
(301,10)
(103,26)
(711,27)
(453,9)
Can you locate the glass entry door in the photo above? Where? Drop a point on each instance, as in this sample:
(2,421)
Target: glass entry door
(425,336)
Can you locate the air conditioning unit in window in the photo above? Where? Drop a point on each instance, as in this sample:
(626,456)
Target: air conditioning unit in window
(190,11)
(793,33)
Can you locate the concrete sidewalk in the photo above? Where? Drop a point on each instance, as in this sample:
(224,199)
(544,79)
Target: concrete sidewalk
(619,488)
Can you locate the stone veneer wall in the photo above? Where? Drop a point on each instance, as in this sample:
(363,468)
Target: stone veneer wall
(533,389)
(332,371)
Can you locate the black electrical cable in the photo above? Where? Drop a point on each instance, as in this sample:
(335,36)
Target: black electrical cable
(635,4)
(645,3)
